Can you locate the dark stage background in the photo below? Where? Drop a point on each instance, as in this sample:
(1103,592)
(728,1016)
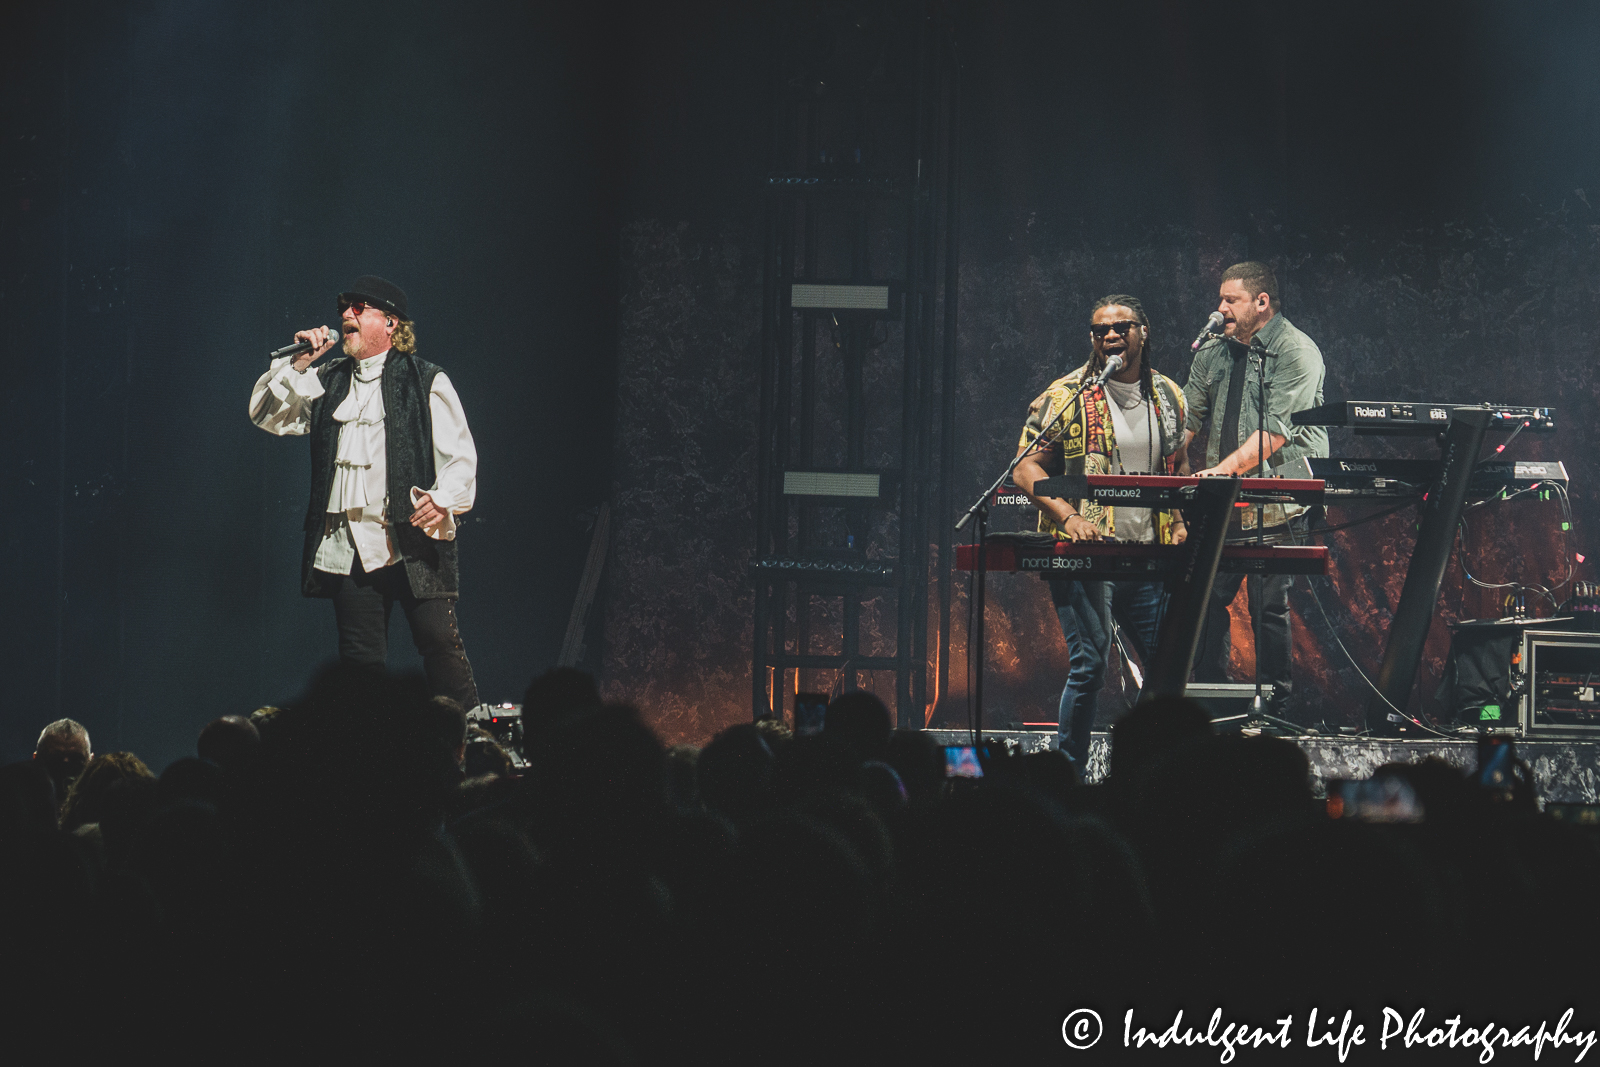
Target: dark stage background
(190,183)
(569,194)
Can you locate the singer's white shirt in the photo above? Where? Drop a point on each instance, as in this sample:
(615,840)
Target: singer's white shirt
(1137,453)
(355,524)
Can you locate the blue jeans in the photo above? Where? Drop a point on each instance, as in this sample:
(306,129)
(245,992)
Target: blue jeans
(1086,609)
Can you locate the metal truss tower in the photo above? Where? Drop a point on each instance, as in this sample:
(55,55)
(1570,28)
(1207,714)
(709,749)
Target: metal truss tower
(858,335)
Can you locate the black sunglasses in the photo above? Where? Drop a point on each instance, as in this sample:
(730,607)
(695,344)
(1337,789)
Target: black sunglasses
(1100,329)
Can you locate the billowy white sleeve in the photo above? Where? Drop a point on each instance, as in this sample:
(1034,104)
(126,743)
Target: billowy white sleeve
(281,401)
(455,458)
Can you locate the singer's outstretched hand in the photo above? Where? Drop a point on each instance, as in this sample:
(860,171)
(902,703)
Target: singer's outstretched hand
(320,336)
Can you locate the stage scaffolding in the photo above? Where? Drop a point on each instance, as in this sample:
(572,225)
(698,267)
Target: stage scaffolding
(860,279)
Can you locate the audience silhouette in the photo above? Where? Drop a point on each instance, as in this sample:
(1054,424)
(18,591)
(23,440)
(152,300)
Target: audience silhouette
(359,874)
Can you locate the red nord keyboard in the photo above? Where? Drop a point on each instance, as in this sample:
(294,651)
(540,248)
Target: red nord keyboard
(1119,560)
(1173,491)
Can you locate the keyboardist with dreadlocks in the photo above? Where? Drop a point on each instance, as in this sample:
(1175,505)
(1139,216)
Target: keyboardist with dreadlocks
(1133,425)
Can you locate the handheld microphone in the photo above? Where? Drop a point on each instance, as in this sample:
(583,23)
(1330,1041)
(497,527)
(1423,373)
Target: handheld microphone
(1114,363)
(299,346)
(1213,326)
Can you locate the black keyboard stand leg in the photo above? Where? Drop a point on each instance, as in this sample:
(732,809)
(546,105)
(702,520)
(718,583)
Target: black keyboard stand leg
(1190,590)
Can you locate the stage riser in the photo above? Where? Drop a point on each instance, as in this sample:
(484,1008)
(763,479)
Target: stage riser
(1564,772)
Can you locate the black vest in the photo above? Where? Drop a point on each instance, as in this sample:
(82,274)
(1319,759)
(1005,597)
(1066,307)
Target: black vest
(408,452)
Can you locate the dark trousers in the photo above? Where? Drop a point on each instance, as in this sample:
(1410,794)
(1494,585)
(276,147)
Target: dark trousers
(361,604)
(1086,610)
(1269,598)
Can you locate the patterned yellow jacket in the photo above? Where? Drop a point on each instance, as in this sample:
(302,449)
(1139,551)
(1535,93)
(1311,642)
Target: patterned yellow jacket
(1084,442)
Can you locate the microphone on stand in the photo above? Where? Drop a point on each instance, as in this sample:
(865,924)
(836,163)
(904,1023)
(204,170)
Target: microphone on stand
(1212,327)
(1114,363)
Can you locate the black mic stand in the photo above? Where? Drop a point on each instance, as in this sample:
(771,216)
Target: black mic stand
(980,509)
(1258,706)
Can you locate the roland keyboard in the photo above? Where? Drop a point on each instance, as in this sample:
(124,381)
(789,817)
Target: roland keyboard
(1398,479)
(1172,491)
(1036,553)
(1408,417)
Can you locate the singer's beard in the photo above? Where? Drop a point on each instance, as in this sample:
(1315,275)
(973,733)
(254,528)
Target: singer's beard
(352,344)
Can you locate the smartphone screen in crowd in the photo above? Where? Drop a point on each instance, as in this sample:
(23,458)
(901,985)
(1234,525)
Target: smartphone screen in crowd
(810,713)
(1497,763)
(1386,798)
(961,761)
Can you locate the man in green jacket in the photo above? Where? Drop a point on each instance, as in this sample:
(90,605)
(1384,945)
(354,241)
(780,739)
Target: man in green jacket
(1249,438)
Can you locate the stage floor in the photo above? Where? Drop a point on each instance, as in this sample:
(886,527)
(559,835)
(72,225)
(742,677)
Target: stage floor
(1565,772)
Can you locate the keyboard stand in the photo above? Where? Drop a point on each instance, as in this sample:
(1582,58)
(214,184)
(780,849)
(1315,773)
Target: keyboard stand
(1190,590)
(1419,597)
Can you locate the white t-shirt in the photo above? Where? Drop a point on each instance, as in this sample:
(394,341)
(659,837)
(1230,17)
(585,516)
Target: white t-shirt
(1138,452)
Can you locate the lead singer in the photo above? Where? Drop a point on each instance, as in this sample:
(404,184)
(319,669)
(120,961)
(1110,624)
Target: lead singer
(383,423)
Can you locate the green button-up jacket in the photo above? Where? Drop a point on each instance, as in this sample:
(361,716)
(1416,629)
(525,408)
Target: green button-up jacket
(1294,372)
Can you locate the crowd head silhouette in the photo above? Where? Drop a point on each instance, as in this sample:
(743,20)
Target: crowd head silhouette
(359,872)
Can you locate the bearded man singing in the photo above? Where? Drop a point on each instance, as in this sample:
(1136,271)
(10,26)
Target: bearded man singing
(383,425)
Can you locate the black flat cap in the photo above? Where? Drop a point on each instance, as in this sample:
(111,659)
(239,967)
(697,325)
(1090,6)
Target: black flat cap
(381,294)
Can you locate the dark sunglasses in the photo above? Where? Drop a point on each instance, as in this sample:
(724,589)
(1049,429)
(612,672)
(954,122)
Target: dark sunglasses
(1100,329)
(358,306)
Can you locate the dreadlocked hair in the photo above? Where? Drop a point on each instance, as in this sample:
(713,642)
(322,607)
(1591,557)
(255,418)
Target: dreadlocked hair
(1147,385)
